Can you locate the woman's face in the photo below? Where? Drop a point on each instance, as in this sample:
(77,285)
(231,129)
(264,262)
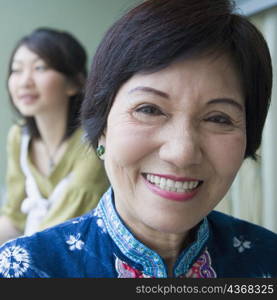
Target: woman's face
(34,87)
(175,140)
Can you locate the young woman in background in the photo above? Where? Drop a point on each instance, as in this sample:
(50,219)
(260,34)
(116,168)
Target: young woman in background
(51,175)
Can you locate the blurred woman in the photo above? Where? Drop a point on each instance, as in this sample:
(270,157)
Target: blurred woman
(51,175)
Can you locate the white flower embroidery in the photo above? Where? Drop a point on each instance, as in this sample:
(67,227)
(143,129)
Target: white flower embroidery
(14,262)
(78,220)
(97,212)
(241,244)
(99,220)
(75,242)
(101,224)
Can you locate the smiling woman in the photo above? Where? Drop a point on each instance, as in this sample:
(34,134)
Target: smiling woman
(52,87)
(176,99)
(47,71)
(189,128)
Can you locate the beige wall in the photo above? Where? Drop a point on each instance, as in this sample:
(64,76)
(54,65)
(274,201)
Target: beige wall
(87,19)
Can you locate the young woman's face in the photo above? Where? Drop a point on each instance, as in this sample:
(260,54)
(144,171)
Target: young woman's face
(175,140)
(34,87)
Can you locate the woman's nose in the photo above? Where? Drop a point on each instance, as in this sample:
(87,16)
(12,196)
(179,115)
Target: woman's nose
(26,78)
(182,147)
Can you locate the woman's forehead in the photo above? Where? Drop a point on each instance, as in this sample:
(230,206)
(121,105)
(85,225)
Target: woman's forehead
(203,75)
(23,53)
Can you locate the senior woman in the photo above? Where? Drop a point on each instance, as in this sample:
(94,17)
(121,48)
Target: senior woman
(177,97)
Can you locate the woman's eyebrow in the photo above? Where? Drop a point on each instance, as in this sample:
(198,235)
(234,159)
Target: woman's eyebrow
(228,101)
(159,93)
(18,60)
(150,90)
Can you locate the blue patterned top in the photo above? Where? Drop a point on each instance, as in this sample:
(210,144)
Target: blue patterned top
(98,244)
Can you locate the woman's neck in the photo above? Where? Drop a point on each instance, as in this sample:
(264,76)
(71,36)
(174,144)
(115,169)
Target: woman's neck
(48,150)
(168,246)
(52,129)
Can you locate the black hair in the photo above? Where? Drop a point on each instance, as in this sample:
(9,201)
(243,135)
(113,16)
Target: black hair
(157,33)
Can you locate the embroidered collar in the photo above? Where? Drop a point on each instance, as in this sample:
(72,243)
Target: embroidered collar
(151,262)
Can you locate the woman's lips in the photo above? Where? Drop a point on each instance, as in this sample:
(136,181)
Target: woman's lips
(28,99)
(167,187)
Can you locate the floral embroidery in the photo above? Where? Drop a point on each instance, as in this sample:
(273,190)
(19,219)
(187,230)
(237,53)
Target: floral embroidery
(101,224)
(241,244)
(99,220)
(78,220)
(125,271)
(75,242)
(151,263)
(14,262)
(126,242)
(202,268)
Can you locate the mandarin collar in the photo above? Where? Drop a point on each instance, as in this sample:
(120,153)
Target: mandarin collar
(153,265)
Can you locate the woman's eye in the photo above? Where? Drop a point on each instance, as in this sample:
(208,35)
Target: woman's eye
(40,68)
(149,110)
(15,70)
(221,120)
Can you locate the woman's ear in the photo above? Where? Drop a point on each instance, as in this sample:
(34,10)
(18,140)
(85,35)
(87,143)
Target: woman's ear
(74,85)
(71,89)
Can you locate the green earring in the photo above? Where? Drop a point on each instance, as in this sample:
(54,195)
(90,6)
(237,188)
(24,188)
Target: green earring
(100,150)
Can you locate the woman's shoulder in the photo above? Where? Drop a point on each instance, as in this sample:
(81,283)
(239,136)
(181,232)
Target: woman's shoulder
(227,225)
(77,143)
(240,248)
(62,243)
(14,139)
(15,132)
(82,154)
(78,135)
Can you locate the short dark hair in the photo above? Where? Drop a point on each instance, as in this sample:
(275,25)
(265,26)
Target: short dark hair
(158,32)
(65,54)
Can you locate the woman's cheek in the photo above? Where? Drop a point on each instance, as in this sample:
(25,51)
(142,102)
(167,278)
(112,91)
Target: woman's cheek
(130,143)
(228,154)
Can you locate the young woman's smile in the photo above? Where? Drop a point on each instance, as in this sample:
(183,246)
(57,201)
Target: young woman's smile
(35,87)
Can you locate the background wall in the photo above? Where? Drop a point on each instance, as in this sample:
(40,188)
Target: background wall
(86,19)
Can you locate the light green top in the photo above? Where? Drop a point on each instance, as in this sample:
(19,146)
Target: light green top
(88,184)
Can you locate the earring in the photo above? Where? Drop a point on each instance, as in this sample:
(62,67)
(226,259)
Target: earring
(100,150)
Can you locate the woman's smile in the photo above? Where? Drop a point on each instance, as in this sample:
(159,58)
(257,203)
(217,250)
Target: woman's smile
(166,141)
(165,186)
(34,86)
(28,98)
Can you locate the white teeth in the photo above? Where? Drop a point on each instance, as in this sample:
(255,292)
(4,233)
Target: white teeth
(156,180)
(178,184)
(171,185)
(162,182)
